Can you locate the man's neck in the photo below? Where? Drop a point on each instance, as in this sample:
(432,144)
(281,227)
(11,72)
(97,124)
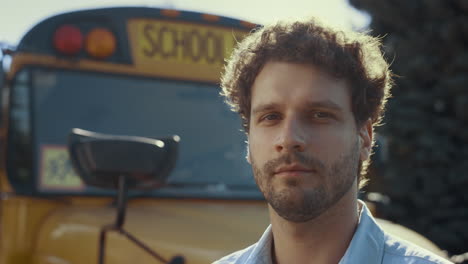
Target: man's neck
(323,240)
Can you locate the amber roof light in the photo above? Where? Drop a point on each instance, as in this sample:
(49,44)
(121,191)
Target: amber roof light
(100,43)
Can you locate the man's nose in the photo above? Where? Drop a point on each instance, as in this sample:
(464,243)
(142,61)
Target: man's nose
(291,136)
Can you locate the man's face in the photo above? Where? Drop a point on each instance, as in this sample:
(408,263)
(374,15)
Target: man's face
(304,146)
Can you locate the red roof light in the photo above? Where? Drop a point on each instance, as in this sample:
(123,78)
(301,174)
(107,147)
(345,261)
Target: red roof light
(68,40)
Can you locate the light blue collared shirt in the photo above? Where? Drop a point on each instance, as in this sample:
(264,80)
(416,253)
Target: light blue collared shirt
(370,245)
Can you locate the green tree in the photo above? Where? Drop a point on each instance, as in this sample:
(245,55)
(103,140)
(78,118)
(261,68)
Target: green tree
(426,173)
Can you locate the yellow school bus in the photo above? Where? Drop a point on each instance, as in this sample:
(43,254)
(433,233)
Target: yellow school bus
(138,71)
(124,71)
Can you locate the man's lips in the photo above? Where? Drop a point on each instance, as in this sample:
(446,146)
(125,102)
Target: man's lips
(293,170)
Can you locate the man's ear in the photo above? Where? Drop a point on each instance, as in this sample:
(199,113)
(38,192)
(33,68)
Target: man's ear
(366,135)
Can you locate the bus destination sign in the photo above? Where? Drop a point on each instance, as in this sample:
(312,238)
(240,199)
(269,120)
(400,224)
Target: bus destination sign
(181,49)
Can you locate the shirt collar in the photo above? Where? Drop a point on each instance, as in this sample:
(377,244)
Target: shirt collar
(261,252)
(367,244)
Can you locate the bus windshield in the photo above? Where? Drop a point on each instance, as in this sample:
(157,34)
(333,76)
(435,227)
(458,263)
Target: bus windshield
(212,149)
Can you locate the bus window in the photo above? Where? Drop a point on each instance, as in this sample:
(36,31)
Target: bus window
(19,158)
(211,161)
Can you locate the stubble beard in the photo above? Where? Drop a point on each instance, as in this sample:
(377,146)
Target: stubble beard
(295,204)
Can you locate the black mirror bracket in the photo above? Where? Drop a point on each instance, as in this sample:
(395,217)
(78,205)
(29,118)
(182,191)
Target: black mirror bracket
(118,227)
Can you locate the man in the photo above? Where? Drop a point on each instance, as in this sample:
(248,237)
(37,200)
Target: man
(309,97)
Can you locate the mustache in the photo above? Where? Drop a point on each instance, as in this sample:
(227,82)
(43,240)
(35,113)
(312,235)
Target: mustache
(295,157)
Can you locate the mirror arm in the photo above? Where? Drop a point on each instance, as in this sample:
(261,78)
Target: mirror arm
(118,226)
(121,201)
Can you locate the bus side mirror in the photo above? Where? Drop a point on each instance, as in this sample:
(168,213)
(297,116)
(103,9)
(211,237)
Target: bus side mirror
(2,79)
(5,51)
(101,159)
(2,74)
(122,163)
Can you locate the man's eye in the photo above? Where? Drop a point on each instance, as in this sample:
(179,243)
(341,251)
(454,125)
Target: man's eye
(321,115)
(270,117)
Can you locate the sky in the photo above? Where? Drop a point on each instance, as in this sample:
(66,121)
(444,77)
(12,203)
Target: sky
(18,16)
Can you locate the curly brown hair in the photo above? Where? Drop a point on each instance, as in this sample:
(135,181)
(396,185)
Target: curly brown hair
(355,57)
(352,56)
